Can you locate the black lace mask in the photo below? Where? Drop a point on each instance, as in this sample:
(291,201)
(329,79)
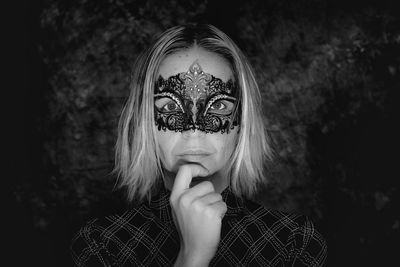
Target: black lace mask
(195,100)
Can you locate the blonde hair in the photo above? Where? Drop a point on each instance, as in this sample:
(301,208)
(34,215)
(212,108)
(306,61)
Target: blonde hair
(137,159)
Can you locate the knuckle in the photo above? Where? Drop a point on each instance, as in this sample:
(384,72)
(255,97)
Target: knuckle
(184,200)
(172,200)
(218,197)
(209,185)
(221,208)
(214,197)
(209,212)
(197,205)
(224,207)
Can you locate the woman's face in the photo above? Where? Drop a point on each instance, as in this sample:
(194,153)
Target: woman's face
(207,145)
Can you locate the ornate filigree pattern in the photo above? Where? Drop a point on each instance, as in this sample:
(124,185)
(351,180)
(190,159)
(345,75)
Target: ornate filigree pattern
(195,92)
(196,82)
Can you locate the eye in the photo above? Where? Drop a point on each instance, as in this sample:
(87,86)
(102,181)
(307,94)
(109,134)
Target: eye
(166,104)
(222,107)
(218,106)
(171,106)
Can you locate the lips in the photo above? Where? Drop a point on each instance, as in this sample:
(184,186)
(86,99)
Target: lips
(194,152)
(193,155)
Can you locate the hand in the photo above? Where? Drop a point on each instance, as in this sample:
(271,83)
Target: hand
(198,213)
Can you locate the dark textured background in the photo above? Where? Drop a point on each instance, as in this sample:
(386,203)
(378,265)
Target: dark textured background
(329,74)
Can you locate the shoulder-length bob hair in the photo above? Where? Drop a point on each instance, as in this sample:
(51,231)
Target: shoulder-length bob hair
(137,160)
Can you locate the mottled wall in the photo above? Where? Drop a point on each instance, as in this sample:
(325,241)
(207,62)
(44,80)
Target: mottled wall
(329,75)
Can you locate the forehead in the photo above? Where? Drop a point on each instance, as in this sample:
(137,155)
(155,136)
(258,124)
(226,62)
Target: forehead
(210,62)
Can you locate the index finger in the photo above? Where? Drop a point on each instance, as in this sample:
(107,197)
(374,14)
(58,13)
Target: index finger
(184,177)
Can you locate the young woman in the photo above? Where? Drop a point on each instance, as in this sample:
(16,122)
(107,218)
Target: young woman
(191,150)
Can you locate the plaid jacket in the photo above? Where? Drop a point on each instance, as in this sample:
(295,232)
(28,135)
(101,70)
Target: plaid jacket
(251,235)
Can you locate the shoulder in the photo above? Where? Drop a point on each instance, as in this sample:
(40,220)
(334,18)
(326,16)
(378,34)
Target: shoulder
(100,240)
(292,237)
(109,225)
(281,221)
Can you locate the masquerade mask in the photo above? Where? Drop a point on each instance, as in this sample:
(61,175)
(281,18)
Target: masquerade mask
(195,100)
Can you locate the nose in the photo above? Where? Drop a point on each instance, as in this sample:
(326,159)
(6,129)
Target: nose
(193,133)
(194,112)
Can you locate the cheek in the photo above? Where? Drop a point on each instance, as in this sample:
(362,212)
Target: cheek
(225,145)
(166,142)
